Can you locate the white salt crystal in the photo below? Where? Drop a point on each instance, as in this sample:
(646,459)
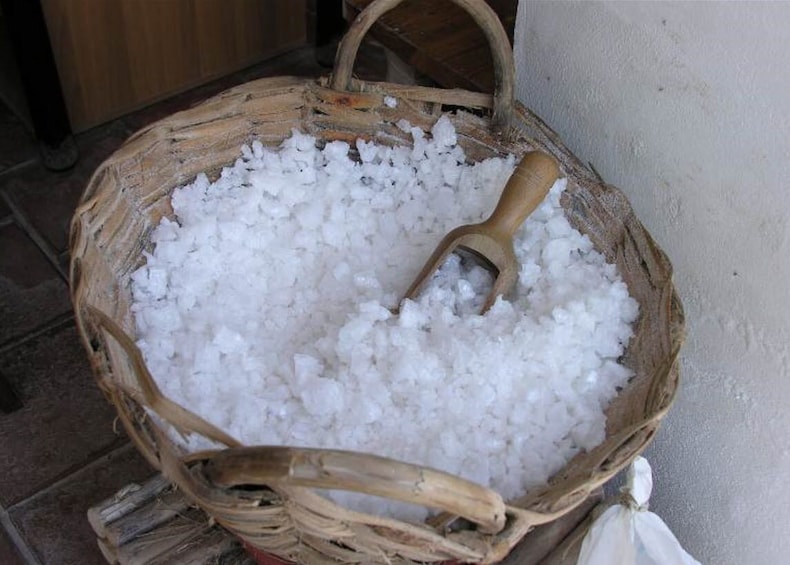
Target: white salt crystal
(404,125)
(335,150)
(311,215)
(322,397)
(306,368)
(390,102)
(299,141)
(207,360)
(366,280)
(228,341)
(166,230)
(367,150)
(443,132)
(257,149)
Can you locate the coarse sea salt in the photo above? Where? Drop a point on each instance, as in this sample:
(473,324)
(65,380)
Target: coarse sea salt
(264,307)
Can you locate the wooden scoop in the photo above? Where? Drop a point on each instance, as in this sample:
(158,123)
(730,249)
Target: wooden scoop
(492,239)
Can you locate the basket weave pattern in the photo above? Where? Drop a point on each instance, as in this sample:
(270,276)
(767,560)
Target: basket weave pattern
(276,511)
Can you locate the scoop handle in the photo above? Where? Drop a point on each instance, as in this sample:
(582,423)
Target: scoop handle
(531,180)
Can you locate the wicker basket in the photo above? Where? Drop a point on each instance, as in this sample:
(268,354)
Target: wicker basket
(263,494)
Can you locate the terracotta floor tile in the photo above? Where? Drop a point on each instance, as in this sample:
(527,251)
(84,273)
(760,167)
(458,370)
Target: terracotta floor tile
(64,258)
(26,266)
(8,553)
(65,422)
(31,291)
(48,198)
(17,144)
(5,212)
(54,523)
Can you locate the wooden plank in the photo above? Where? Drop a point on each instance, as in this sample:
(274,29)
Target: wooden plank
(157,512)
(116,56)
(109,551)
(182,530)
(125,501)
(140,525)
(440,40)
(89,57)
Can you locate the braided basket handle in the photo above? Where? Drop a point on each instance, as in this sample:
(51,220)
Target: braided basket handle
(358,472)
(483,15)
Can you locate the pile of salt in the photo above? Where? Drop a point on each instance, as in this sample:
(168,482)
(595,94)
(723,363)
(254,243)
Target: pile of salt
(264,308)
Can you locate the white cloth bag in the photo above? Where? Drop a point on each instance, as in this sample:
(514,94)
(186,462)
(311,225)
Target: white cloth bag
(627,534)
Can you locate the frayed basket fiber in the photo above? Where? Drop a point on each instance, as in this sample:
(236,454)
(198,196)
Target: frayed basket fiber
(264,494)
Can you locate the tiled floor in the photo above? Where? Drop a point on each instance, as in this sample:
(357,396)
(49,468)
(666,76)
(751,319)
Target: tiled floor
(60,453)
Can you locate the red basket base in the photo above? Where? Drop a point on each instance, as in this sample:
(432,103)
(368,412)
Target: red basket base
(263,558)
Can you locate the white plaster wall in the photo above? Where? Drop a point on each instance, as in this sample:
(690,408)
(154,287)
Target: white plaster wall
(686,107)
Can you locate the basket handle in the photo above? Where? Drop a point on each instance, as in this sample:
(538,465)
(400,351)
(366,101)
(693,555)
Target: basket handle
(483,15)
(359,472)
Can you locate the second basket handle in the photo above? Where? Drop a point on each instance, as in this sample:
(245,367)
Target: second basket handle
(483,15)
(358,472)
